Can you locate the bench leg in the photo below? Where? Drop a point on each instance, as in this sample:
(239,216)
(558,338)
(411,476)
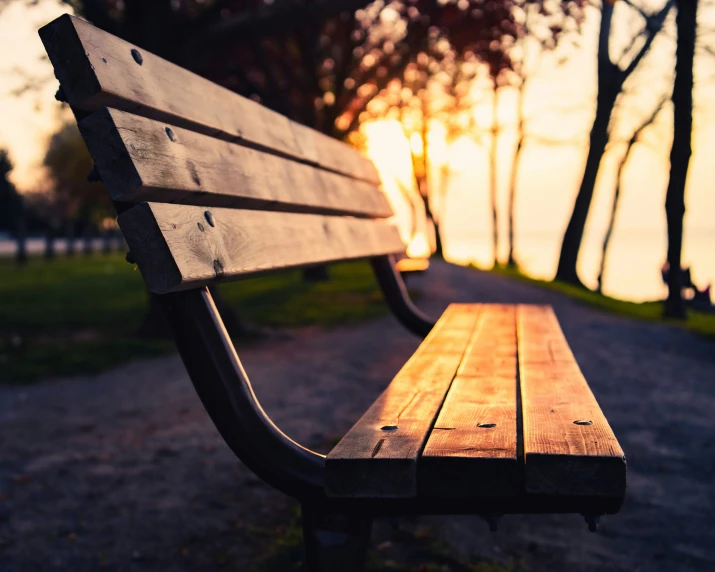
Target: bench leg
(335,542)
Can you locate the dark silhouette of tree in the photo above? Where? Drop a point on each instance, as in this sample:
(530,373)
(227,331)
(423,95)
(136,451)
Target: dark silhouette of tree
(686,22)
(635,138)
(8,193)
(13,210)
(611,77)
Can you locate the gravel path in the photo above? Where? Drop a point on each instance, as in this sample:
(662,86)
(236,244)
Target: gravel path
(124,471)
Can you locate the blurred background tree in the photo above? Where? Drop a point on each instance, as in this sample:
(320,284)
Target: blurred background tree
(686,22)
(613,71)
(13,211)
(74,198)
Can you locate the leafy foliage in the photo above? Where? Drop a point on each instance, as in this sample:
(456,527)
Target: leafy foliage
(68,164)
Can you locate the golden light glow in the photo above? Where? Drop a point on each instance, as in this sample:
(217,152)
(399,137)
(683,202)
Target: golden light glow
(559,105)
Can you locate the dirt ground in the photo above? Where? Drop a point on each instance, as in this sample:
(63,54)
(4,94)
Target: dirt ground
(124,471)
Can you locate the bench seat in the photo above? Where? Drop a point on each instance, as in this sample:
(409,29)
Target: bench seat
(492,404)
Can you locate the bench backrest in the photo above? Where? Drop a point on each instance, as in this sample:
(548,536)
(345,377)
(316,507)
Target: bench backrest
(207,166)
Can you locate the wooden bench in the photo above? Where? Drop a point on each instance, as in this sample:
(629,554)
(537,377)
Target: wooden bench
(490,416)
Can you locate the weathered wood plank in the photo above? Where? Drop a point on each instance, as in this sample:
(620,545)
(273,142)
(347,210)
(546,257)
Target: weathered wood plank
(377,458)
(569,447)
(178,247)
(97,70)
(472,449)
(142,160)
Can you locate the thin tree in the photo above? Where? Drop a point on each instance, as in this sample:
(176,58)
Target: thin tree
(686,22)
(548,33)
(611,77)
(501,49)
(630,144)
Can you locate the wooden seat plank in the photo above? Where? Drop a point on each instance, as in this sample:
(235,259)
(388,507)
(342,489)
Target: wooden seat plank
(98,70)
(377,458)
(178,247)
(140,159)
(472,449)
(569,447)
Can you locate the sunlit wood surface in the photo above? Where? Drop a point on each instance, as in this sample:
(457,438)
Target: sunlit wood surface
(450,423)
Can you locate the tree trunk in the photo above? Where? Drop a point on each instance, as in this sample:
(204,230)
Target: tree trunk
(493,173)
(50,243)
(610,82)
(511,260)
(680,152)
(612,219)
(107,241)
(70,237)
(21,234)
(573,236)
(88,236)
(608,89)
(426,197)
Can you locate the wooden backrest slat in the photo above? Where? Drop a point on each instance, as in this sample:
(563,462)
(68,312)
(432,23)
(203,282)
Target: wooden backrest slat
(97,70)
(178,247)
(142,160)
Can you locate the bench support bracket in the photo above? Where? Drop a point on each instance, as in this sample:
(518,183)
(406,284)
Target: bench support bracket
(225,390)
(397,298)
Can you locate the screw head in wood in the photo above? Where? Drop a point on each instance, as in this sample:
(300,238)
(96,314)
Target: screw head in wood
(170,134)
(209,218)
(137,56)
(583,422)
(486,425)
(388,428)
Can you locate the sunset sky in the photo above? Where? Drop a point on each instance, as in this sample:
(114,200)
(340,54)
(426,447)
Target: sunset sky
(560,105)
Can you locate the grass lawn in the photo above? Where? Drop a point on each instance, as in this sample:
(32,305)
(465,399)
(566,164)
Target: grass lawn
(699,322)
(80,314)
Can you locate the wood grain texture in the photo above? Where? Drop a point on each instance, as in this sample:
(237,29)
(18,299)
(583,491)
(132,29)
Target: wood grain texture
(178,247)
(142,160)
(97,70)
(462,458)
(378,457)
(562,457)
